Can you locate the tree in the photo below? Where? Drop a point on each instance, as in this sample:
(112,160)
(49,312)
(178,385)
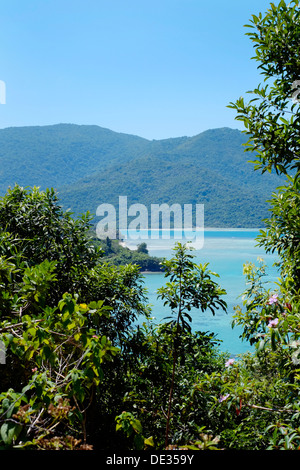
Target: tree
(142,248)
(39,229)
(35,228)
(58,304)
(190,286)
(272,122)
(271,118)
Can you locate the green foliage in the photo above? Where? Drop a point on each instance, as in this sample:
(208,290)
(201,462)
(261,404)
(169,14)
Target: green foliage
(268,382)
(57,343)
(271,118)
(81,373)
(72,365)
(116,254)
(62,360)
(272,121)
(142,248)
(282,230)
(132,426)
(38,235)
(39,229)
(148,384)
(271,317)
(190,286)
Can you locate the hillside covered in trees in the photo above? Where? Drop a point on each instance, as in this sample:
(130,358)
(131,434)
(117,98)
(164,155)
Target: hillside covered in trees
(89,165)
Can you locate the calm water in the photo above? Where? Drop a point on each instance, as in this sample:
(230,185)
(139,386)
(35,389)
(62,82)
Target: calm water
(225,251)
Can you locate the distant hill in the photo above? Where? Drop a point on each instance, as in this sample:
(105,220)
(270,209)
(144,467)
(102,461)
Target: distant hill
(90,165)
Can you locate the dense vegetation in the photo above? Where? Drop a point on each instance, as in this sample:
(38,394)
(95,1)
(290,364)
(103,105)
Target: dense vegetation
(80,372)
(78,368)
(89,165)
(117,254)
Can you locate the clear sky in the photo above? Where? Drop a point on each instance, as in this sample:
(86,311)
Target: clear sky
(153,68)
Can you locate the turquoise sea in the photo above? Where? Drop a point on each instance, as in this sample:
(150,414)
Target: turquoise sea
(226,250)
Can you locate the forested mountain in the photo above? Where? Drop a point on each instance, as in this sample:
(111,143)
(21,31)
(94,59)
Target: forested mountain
(90,165)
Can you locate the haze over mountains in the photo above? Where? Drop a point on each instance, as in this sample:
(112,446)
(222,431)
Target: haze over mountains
(91,165)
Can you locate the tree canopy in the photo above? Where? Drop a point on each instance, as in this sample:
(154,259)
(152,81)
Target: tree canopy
(272,122)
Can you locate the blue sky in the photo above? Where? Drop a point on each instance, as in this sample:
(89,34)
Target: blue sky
(153,68)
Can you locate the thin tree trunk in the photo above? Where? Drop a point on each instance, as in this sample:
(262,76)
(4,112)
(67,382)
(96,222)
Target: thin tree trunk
(170,400)
(174,367)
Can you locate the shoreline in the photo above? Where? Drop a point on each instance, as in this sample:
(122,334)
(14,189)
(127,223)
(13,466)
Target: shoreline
(233,229)
(203,229)
(155,244)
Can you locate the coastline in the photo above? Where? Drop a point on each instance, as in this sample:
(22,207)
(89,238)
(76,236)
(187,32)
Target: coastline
(159,243)
(233,229)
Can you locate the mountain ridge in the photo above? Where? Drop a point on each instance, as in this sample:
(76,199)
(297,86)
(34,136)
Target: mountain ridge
(89,165)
